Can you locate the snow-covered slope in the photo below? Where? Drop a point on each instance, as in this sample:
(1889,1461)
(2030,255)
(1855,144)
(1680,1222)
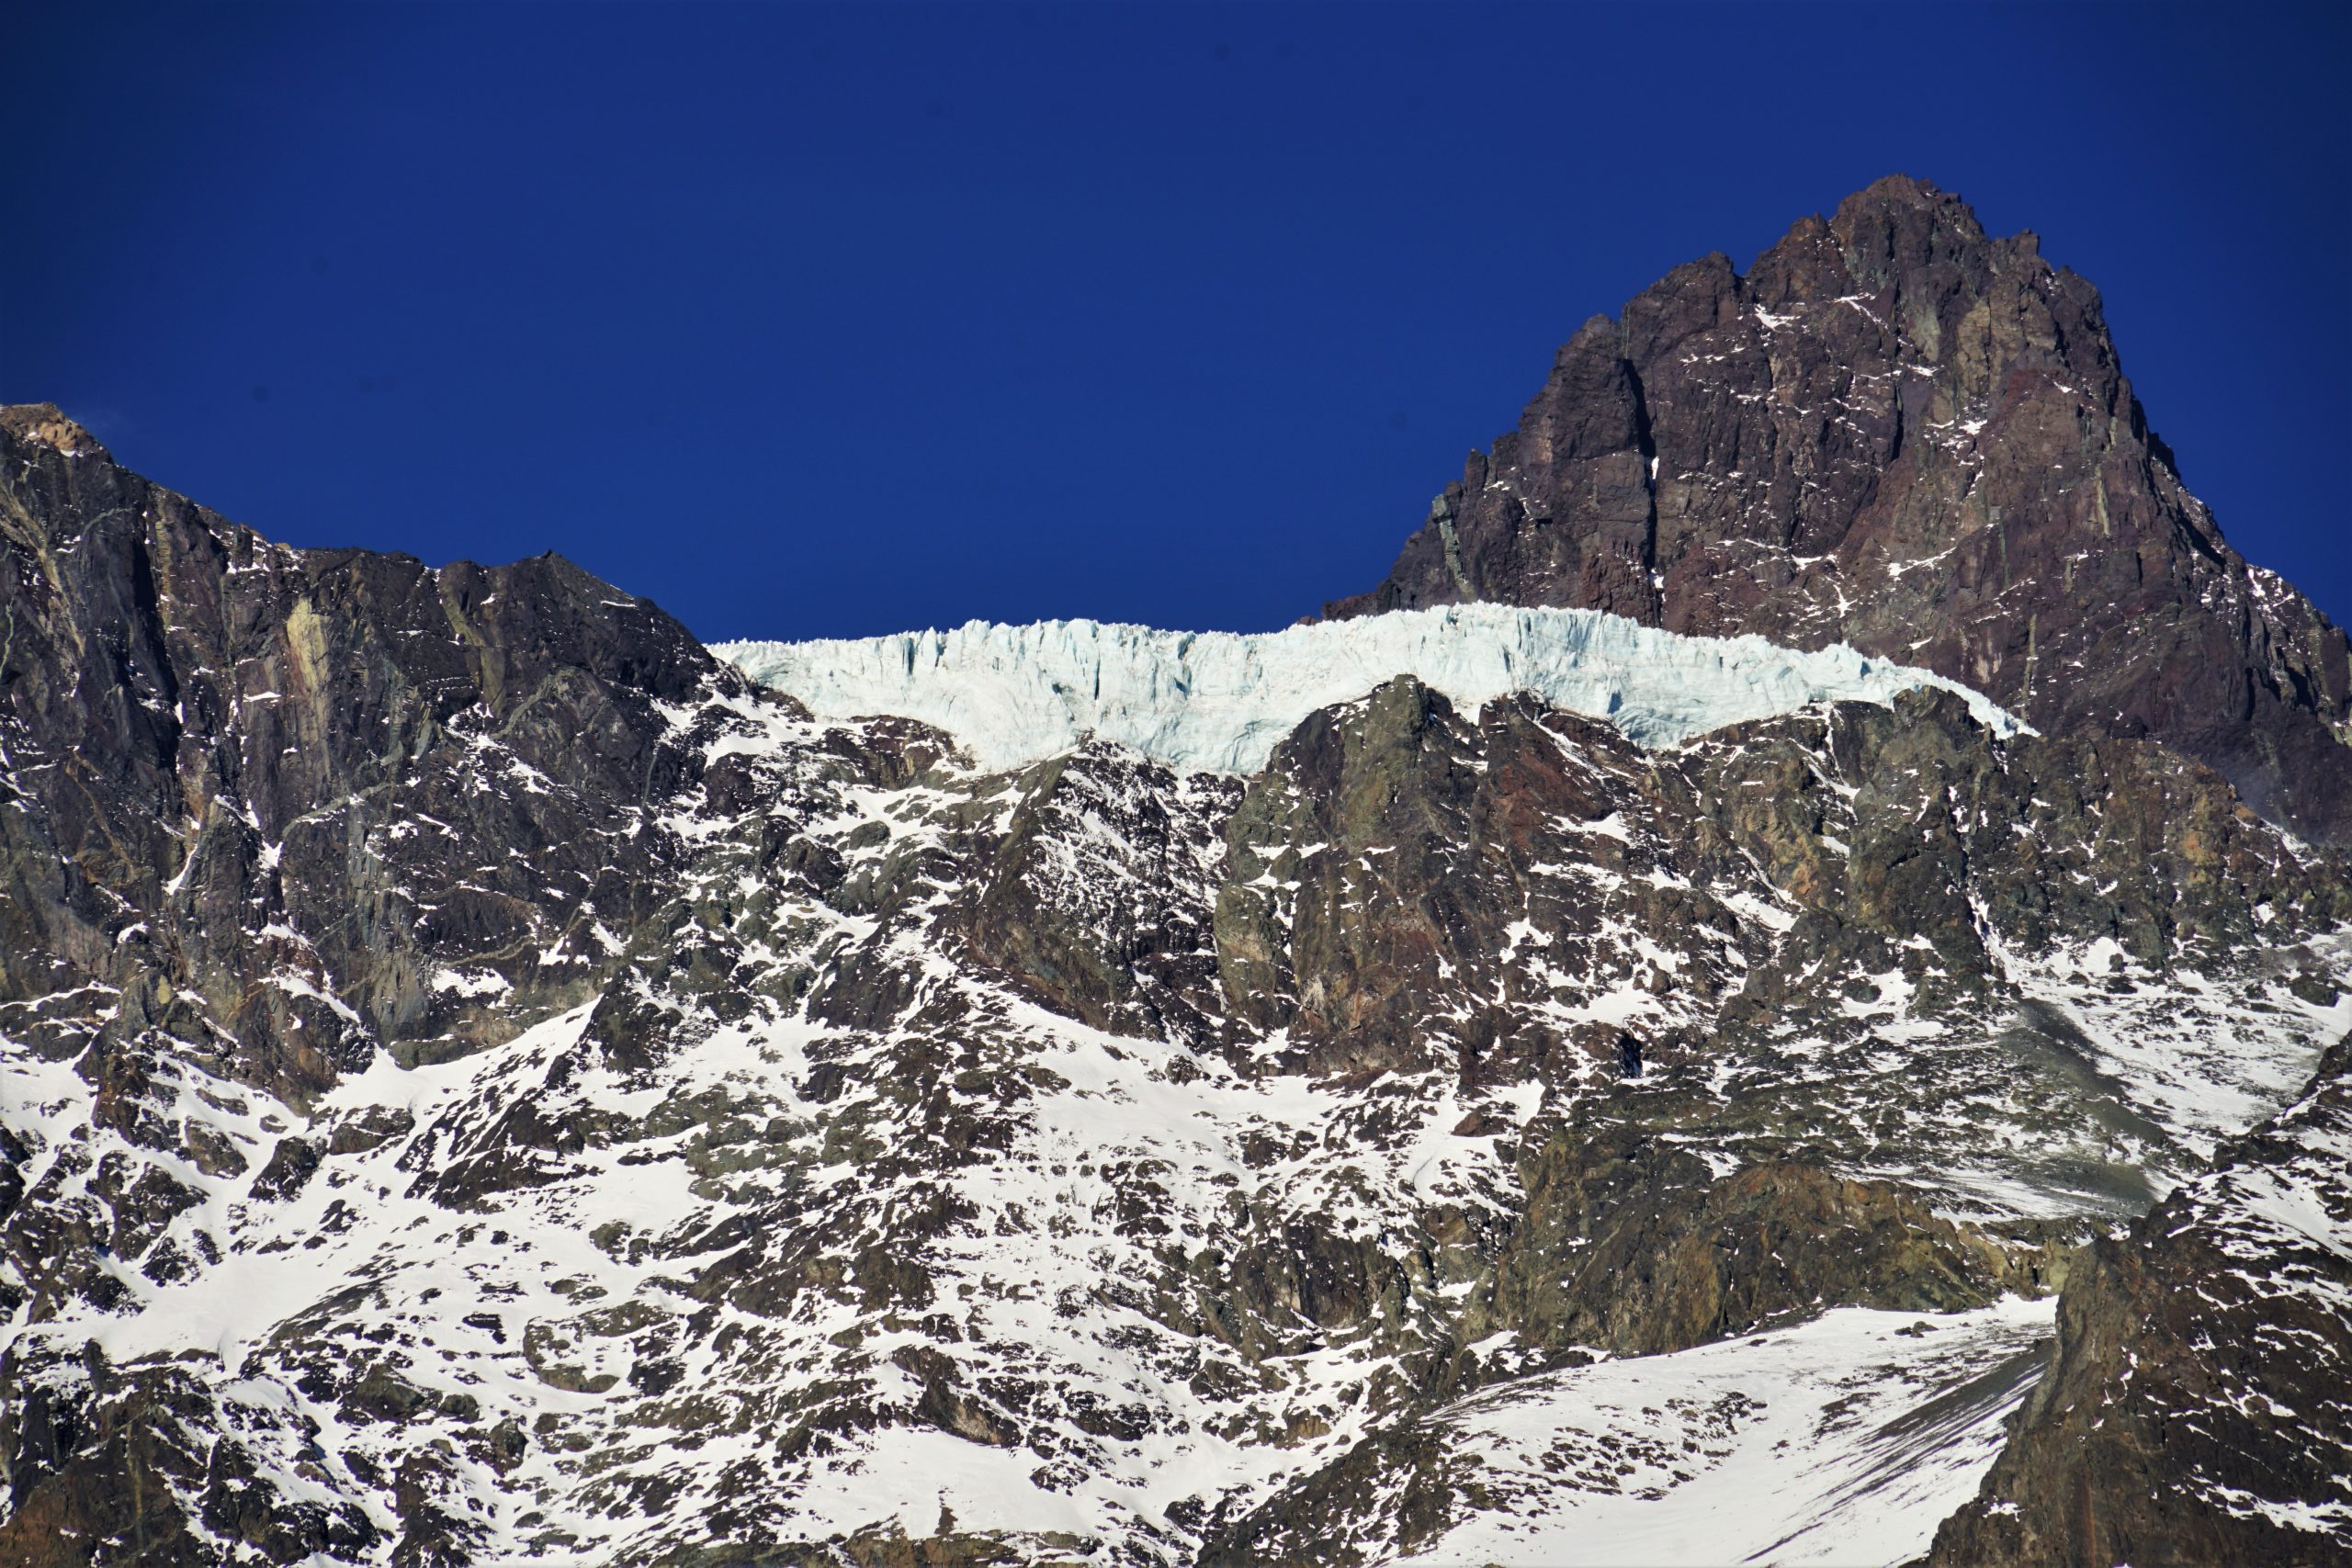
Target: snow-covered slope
(1839,1441)
(1218,702)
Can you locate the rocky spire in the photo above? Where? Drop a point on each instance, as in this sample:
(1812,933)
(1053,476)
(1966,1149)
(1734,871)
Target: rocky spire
(1898,432)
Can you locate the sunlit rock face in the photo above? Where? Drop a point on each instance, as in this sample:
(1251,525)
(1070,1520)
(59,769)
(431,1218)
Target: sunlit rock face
(485,1080)
(1897,431)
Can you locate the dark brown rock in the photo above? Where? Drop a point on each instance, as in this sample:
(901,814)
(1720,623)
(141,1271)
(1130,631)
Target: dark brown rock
(1629,1247)
(1900,432)
(228,759)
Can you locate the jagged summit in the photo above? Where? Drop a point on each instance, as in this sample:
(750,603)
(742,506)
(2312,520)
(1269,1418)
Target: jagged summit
(1906,193)
(1897,431)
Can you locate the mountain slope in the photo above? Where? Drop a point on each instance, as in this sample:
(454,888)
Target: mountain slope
(1899,432)
(310,771)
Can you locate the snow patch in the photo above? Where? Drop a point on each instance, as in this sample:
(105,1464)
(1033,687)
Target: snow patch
(1844,1440)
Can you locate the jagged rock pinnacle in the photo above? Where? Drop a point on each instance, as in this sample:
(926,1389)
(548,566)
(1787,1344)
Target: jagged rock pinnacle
(1900,432)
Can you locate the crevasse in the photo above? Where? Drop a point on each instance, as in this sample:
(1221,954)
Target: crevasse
(1220,702)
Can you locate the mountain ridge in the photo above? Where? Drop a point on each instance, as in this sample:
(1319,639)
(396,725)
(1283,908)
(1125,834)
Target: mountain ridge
(483,1081)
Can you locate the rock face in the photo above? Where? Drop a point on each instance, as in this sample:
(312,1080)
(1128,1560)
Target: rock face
(1899,432)
(323,778)
(481,1080)
(2157,1437)
(1216,701)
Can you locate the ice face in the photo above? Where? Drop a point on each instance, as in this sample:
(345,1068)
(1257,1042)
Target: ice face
(1218,702)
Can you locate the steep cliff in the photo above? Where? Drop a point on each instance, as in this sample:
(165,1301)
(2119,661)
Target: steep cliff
(1897,431)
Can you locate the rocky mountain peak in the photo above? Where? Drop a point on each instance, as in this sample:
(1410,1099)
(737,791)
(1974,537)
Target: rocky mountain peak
(1901,434)
(1898,200)
(45,424)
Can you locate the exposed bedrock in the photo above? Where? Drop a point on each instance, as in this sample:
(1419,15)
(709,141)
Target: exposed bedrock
(1898,432)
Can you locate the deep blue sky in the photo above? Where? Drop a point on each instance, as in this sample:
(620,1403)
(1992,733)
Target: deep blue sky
(834,319)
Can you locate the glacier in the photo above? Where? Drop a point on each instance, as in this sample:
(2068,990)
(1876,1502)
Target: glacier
(1220,702)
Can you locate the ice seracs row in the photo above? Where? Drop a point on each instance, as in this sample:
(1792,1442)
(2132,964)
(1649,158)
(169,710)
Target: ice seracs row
(1219,701)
